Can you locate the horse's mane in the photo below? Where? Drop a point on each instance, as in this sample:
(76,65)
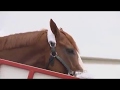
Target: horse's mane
(27,39)
(20,39)
(71,40)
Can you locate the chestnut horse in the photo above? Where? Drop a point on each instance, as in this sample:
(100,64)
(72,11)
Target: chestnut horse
(53,49)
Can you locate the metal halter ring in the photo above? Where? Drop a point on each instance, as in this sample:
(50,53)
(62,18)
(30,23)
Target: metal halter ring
(53,55)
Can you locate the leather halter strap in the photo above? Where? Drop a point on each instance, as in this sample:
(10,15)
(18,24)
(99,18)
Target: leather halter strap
(54,56)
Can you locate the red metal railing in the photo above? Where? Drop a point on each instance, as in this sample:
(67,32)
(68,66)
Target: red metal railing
(33,70)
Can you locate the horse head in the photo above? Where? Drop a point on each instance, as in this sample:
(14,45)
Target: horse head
(64,53)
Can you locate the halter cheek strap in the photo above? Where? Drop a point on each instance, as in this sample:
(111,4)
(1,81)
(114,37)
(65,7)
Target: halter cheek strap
(53,55)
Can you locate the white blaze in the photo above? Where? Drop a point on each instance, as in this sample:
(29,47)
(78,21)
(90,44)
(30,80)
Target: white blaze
(81,62)
(85,74)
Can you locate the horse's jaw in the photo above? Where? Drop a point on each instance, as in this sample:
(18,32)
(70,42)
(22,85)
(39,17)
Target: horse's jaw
(84,75)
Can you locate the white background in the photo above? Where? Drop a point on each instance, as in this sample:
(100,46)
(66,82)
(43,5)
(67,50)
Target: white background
(97,33)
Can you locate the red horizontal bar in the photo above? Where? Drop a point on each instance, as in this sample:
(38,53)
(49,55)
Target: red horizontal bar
(32,70)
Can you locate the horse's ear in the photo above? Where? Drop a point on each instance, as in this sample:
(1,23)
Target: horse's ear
(54,28)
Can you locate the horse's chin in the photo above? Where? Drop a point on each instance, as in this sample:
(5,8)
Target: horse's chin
(84,75)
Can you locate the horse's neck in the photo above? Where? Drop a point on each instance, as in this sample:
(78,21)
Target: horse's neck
(26,55)
(30,54)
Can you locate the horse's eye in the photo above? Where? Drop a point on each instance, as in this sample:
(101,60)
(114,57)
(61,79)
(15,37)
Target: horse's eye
(70,51)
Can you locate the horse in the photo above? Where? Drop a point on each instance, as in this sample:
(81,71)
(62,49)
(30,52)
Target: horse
(53,49)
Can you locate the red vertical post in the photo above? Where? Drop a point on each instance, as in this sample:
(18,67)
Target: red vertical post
(31,74)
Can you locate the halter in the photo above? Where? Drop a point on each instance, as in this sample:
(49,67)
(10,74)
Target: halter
(54,55)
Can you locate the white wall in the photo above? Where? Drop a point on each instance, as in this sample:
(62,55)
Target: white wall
(103,67)
(96,33)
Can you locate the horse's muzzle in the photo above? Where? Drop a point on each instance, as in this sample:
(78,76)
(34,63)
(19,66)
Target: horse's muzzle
(83,75)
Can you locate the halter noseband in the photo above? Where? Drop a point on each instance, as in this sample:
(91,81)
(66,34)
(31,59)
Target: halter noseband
(53,55)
